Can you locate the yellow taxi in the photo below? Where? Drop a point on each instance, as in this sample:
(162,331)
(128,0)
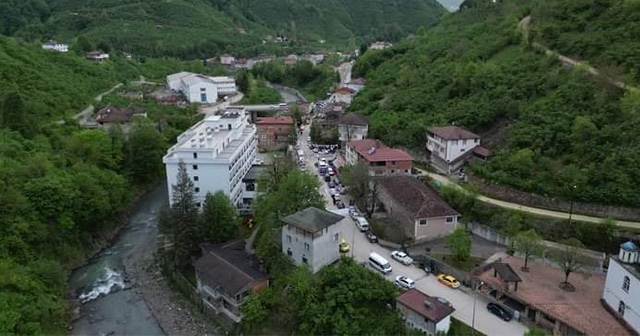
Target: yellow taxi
(344,246)
(448,280)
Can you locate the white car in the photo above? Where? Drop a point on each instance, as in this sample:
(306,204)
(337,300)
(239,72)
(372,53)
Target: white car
(404,282)
(402,257)
(362,223)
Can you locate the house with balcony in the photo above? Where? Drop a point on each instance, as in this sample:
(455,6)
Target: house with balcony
(312,237)
(424,313)
(226,275)
(380,159)
(451,146)
(621,293)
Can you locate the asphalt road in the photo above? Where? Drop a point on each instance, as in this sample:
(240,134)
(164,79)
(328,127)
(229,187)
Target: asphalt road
(462,301)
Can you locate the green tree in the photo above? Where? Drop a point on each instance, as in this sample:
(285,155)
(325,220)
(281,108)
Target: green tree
(270,180)
(184,218)
(570,258)
(83,44)
(145,151)
(244,81)
(293,136)
(14,114)
(96,147)
(297,115)
(315,133)
(528,243)
(219,221)
(459,242)
(361,186)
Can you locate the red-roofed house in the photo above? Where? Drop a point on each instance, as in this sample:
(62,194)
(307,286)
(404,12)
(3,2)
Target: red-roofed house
(274,132)
(343,95)
(424,313)
(451,146)
(382,160)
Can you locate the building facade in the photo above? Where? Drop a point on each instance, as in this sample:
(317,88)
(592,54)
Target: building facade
(250,187)
(218,152)
(343,95)
(196,88)
(55,46)
(274,132)
(226,59)
(312,237)
(424,313)
(353,126)
(225,85)
(97,56)
(622,287)
(421,213)
(450,146)
(380,159)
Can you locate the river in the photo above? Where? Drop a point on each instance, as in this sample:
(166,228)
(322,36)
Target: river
(111,303)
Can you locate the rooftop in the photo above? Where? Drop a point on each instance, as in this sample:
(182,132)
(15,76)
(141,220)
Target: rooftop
(375,151)
(482,151)
(354,119)
(345,91)
(453,133)
(210,132)
(580,309)
(228,266)
(312,219)
(194,79)
(425,305)
(254,172)
(629,247)
(222,79)
(418,198)
(274,121)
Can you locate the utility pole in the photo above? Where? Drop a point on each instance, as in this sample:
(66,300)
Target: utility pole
(473,318)
(573,194)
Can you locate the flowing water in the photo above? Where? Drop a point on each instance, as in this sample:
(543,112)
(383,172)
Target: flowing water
(110,302)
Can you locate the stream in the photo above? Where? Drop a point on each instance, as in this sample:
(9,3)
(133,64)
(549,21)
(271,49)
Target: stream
(110,302)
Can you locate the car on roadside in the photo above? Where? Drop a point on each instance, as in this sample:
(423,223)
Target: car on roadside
(344,246)
(499,311)
(327,178)
(315,150)
(443,301)
(355,214)
(448,280)
(362,224)
(404,282)
(371,237)
(340,205)
(402,257)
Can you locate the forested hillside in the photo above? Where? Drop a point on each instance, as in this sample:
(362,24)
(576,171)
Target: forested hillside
(551,128)
(63,189)
(200,28)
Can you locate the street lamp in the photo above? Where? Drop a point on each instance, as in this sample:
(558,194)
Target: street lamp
(573,193)
(473,318)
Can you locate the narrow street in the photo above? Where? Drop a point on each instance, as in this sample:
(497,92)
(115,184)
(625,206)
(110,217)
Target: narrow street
(462,301)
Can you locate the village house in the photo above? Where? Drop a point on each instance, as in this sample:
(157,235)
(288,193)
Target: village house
(312,237)
(451,146)
(226,59)
(226,275)
(113,115)
(356,84)
(424,313)
(97,56)
(55,46)
(291,60)
(353,126)
(241,63)
(380,159)
(418,209)
(380,45)
(536,296)
(274,132)
(343,95)
(260,59)
(621,293)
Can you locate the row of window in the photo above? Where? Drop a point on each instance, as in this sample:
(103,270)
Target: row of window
(423,222)
(304,258)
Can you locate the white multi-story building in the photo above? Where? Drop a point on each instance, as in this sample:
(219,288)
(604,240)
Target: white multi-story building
(622,287)
(196,88)
(218,152)
(225,85)
(55,46)
(450,146)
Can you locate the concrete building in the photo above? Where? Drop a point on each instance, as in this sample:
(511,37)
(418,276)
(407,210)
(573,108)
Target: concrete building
(97,56)
(451,146)
(357,84)
(343,95)
(225,85)
(380,45)
(312,237)
(55,46)
(421,213)
(353,126)
(226,59)
(424,313)
(622,287)
(218,151)
(196,88)
(226,275)
(274,132)
(380,159)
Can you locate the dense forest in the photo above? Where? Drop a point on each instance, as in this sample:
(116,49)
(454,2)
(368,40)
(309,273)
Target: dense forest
(313,81)
(202,28)
(64,190)
(554,130)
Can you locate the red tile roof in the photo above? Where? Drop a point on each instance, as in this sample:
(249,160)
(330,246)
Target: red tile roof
(482,151)
(275,121)
(381,152)
(453,133)
(345,91)
(425,305)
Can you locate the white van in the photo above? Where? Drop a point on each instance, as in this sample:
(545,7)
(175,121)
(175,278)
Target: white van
(379,263)
(362,224)
(282,104)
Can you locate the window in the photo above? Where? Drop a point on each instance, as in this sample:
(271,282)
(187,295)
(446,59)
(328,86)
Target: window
(423,222)
(464,142)
(307,247)
(393,171)
(449,219)
(198,204)
(195,167)
(250,186)
(393,162)
(229,126)
(289,253)
(195,155)
(197,189)
(203,89)
(304,260)
(335,237)
(462,149)
(625,284)
(621,308)
(288,238)
(196,178)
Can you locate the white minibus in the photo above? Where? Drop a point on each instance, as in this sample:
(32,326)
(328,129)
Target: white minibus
(379,263)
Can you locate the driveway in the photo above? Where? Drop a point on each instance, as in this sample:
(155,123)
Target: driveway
(361,248)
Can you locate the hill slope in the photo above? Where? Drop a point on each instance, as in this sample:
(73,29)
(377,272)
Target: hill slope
(561,128)
(195,28)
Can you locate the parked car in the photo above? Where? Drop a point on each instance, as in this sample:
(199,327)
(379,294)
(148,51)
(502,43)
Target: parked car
(340,205)
(327,178)
(402,257)
(344,246)
(404,282)
(330,183)
(336,197)
(448,280)
(371,237)
(444,301)
(499,311)
(362,224)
